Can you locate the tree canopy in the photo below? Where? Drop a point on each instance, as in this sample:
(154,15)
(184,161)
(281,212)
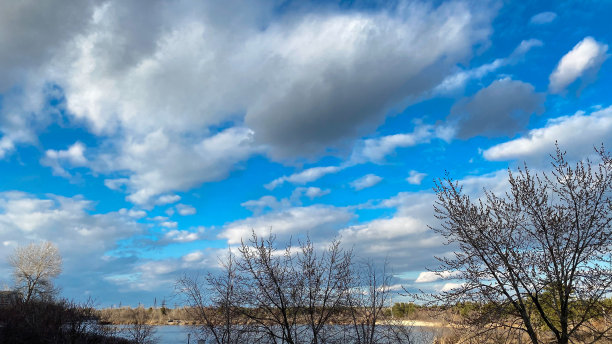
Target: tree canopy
(539,255)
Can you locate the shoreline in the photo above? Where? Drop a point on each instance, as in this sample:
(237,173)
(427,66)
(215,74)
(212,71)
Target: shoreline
(403,322)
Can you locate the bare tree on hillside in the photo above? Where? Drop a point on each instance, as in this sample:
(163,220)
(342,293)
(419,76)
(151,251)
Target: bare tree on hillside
(536,260)
(34,268)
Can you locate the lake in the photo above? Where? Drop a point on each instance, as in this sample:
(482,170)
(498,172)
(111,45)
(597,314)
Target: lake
(175,334)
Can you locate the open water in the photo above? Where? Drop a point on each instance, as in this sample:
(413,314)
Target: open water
(175,334)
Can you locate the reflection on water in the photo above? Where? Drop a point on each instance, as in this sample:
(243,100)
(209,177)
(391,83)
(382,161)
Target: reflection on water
(179,334)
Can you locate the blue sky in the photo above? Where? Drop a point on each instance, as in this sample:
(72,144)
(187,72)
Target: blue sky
(145,138)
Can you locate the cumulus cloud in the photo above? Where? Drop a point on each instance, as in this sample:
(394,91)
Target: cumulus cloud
(135,213)
(258,206)
(305,176)
(415,177)
(310,192)
(430,276)
(181,236)
(404,239)
(450,286)
(582,62)
(308,71)
(169,224)
(500,109)
(271,203)
(366,181)
(316,220)
(543,18)
(577,134)
(376,149)
(74,156)
(84,237)
(331,98)
(167,199)
(159,163)
(185,209)
(159,83)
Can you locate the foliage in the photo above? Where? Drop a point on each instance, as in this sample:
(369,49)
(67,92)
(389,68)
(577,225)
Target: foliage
(404,309)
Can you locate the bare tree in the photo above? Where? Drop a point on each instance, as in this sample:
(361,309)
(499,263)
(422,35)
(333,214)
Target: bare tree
(367,303)
(272,295)
(292,294)
(536,260)
(326,278)
(213,301)
(35,266)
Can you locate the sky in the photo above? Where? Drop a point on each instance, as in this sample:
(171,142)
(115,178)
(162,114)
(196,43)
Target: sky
(146,138)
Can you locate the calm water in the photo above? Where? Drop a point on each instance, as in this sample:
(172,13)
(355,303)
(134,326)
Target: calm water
(174,334)
(178,334)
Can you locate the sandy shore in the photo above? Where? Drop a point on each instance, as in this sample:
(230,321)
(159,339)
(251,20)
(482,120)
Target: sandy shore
(419,323)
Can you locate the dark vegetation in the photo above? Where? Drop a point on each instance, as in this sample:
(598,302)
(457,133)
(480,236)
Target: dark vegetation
(44,321)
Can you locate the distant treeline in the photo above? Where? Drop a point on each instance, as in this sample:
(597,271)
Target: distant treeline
(186,315)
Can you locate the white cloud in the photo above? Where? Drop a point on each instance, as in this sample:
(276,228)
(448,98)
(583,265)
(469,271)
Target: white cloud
(430,276)
(152,87)
(543,18)
(376,149)
(169,224)
(304,177)
(496,182)
(137,214)
(366,181)
(316,220)
(74,156)
(193,256)
(450,286)
(181,236)
(116,76)
(159,163)
(258,206)
(583,61)
(310,192)
(82,236)
(185,209)
(415,177)
(266,203)
(378,232)
(577,134)
(167,199)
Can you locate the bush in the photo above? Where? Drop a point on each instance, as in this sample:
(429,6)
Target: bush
(52,322)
